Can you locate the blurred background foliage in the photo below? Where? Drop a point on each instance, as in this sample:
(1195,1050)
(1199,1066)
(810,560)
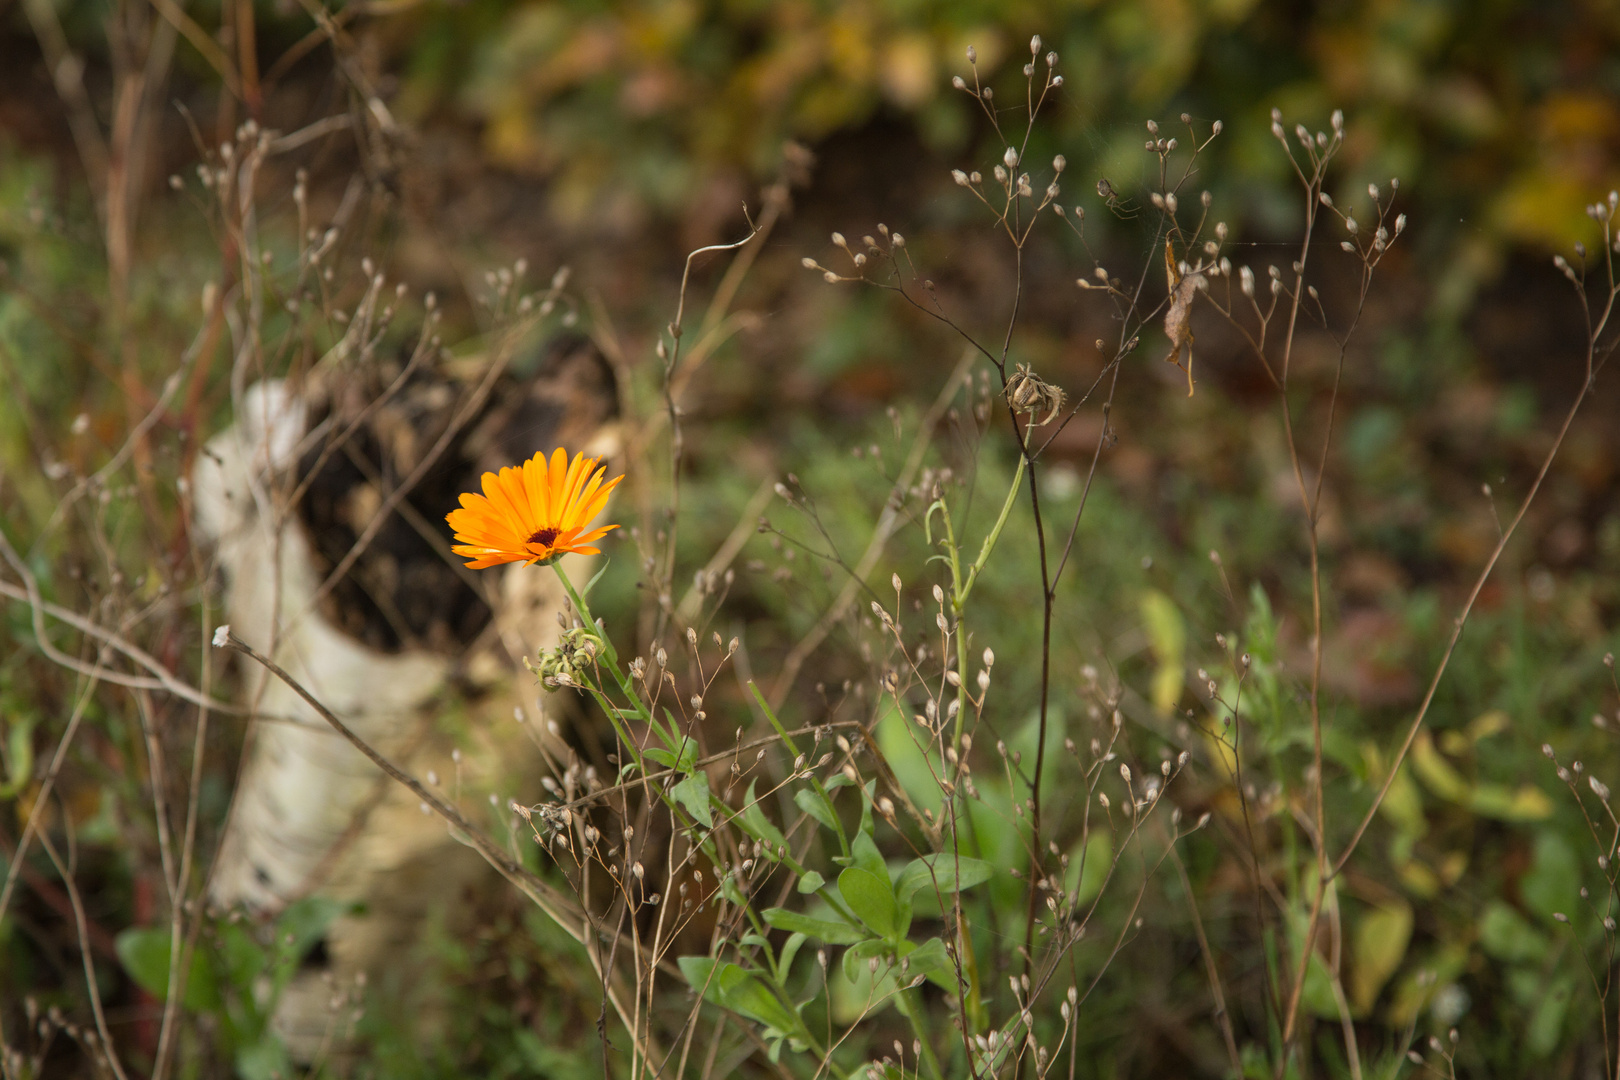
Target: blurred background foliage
(1501,116)
(614,137)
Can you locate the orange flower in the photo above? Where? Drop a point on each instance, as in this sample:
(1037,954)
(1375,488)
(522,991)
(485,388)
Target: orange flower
(534,512)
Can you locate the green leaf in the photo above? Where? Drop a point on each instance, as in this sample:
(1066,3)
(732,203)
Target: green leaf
(930,959)
(20,756)
(757,825)
(737,989)
(945,871)
(745,994)
(867,795)
(854,991)
(1554,880)
(699,972)
(865,854)
(817,805)
(304,922)
(1547,1023)
(265,1059)
(810,881)
(908,761)
(857,958)
(693,794)
(827,930)
(1506,935)
(144,952)
(790,949)
(1088,867)
(870,898)
(684,762)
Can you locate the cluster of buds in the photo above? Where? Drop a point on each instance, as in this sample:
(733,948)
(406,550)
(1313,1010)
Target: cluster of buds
(567,664)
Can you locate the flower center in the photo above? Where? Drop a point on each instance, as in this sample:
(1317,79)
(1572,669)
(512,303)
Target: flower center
(545,537)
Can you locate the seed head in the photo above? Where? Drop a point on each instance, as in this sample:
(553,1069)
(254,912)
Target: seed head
(1029,393)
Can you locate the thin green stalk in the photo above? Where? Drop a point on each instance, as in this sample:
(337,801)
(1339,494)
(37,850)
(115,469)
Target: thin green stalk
(912,1004)
(961,590)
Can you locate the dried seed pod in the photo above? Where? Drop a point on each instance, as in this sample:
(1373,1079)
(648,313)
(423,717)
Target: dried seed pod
(1029,393)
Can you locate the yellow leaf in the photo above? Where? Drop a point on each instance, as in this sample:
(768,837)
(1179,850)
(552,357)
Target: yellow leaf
(1167,634)
(1526,803)
(1436,772)
(1381,937)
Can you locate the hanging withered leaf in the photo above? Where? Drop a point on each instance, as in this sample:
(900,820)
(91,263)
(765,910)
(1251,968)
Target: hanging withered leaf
(1178,317)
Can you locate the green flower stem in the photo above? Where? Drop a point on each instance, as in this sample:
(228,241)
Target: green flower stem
(626,687)
(912,1006)
(843,841)
(962,589)
(989,544)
